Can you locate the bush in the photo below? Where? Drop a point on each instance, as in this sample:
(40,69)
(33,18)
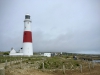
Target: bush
(77,64)
(29,59)
(6,53)
(40,67)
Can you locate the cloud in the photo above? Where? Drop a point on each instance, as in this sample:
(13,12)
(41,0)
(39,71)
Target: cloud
(70,26)
(68,43)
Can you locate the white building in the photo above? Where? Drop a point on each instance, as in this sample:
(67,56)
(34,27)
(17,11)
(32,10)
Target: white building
(14,53)
(21,50)
(47,54)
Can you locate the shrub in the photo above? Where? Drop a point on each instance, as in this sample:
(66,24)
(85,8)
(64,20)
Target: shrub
(29,59)
(77,64)
(40,66)
(6,53)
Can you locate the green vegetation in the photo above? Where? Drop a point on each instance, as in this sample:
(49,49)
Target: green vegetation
(5,53)
(58,62)
(10,58)
(55,62)
(32,60)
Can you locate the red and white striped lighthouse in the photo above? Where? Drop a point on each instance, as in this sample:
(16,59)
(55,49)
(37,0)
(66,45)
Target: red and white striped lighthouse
(27,37)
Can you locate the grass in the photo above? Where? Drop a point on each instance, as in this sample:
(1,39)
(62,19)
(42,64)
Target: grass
(58,62)
(51,63)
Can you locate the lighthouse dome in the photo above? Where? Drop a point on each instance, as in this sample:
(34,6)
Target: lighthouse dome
(27,16)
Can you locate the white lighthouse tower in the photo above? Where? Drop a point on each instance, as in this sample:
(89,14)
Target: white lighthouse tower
(27,37)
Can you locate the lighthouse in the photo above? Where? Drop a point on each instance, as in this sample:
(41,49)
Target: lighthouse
(27,49)
(27,37)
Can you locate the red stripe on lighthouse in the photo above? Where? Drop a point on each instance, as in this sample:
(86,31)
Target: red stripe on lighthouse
(27,36)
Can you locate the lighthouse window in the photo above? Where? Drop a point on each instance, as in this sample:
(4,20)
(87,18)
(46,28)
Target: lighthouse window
(27,17)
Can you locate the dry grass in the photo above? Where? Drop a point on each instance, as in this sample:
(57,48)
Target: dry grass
(52,69)
(26,72)
(30,71)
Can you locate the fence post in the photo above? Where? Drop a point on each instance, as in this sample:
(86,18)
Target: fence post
(5,64)
(89,66)
(64,69)
(43,65)
(92,64)
(81,68)
(16,60)
(10,62)
(1,60)
(2,71)
(21,63)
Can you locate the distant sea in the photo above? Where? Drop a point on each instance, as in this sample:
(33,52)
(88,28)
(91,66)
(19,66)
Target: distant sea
(98,61)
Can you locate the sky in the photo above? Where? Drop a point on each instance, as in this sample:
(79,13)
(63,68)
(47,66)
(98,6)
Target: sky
(57,25)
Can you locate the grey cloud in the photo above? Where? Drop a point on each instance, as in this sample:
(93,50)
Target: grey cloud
(71,26)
